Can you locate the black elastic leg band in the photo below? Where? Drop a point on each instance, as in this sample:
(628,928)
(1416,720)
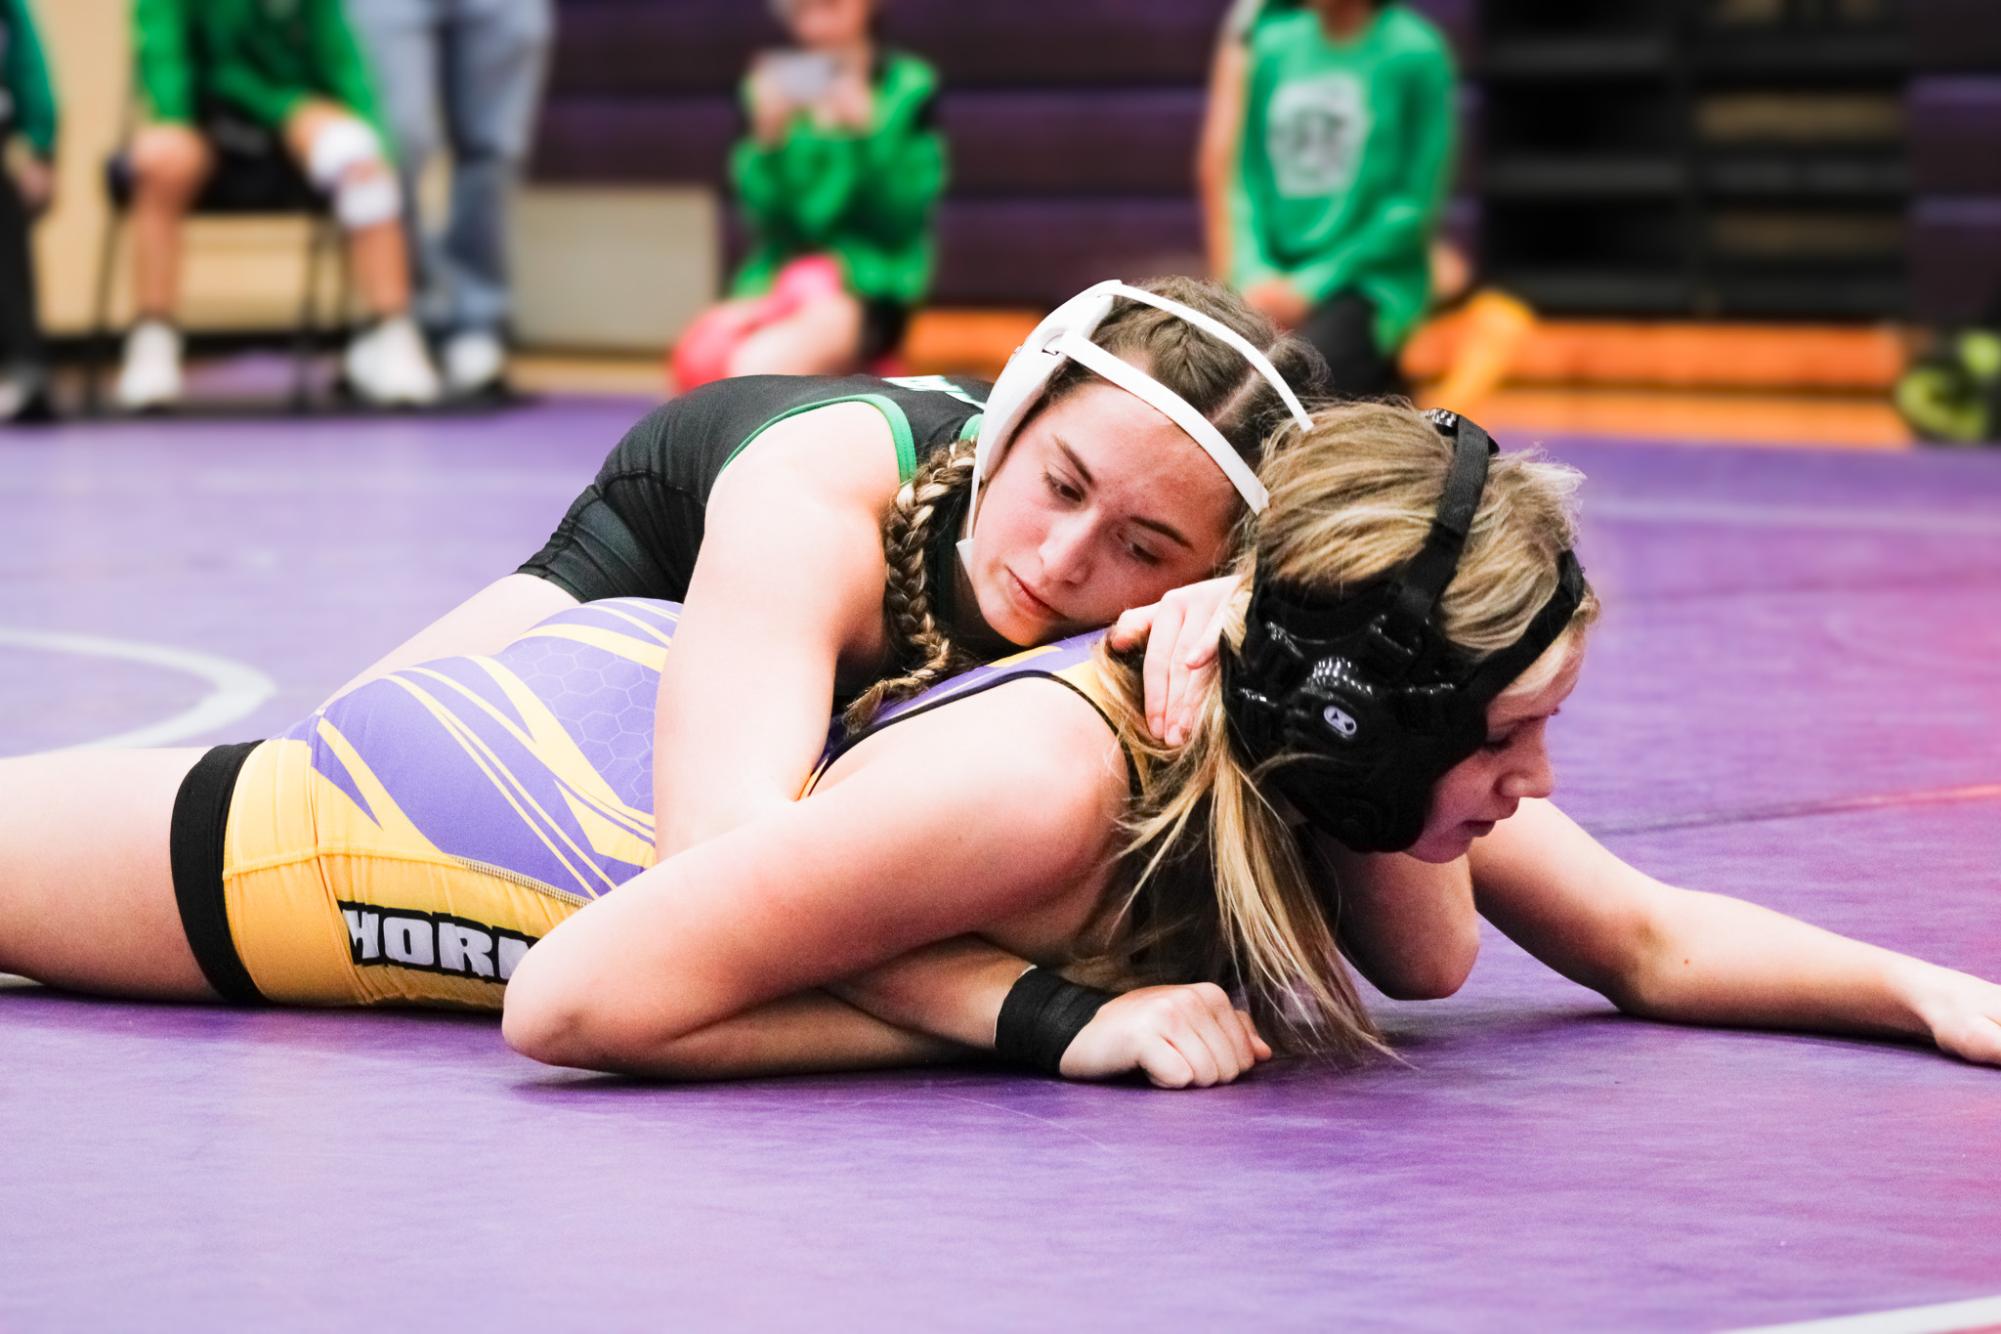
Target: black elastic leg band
(201,816)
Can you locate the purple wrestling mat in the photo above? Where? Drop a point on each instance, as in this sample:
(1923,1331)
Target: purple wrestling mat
(1794,697)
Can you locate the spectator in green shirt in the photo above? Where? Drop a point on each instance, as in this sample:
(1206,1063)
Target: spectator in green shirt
(839,179)
(27,188)
(229,78)
(1342,149)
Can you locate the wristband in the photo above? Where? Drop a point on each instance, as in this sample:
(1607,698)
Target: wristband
(1041,1017)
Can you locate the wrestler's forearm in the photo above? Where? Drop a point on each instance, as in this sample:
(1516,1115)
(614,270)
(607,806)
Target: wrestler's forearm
(952,990)
(809,1033)
(1667,953)
(1718,960)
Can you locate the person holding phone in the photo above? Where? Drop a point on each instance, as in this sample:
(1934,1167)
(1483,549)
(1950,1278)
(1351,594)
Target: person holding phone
(838,177)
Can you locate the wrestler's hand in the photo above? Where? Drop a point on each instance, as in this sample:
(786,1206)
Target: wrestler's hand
(1964,1014)
(1177,1036)
(1181,633)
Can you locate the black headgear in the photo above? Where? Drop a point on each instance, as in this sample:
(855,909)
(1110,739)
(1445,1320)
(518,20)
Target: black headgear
(1360,698)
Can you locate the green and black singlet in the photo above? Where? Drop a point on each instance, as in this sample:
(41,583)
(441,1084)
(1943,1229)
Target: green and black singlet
(636,530)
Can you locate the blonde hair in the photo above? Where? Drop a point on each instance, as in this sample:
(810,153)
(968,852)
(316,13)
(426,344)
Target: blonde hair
(1210,376)
(1217,888)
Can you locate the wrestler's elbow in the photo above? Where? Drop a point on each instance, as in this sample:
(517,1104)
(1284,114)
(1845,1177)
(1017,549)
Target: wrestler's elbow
(1440,975)
(557,1020)
(1433,973)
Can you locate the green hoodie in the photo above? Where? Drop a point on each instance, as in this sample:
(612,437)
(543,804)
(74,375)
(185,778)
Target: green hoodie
(27,100)
(261,58)
(867,198)
(1344,161)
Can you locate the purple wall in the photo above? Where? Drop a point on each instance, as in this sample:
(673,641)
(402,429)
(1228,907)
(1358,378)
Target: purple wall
(1954,109)
(1072,125)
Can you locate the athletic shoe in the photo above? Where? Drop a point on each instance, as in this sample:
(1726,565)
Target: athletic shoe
(475,363)
(151,375)
(24,397)
(388,366)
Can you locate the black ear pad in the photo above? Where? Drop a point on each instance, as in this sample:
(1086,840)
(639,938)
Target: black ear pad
(1356,755)
(1354,705)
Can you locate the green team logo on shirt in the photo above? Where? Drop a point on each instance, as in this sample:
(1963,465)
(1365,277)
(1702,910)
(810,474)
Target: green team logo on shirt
(1314,133)
(933,384)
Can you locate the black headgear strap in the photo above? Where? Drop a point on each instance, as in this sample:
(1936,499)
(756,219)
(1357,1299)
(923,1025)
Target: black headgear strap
(1359,702)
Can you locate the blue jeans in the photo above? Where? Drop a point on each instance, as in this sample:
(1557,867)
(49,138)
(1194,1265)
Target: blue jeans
(465,75)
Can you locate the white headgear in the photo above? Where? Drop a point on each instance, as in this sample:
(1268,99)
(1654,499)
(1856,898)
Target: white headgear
(1065,335)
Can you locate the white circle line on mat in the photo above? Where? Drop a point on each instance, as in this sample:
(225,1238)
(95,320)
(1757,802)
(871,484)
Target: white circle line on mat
(235,689)
(1981,1311)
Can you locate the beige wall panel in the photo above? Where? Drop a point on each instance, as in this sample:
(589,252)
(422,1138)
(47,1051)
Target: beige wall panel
(612,269)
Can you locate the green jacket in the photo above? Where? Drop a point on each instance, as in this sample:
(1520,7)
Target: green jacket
(261,58)
(1245,15)
(1344,162)
(867,198)
(27,99)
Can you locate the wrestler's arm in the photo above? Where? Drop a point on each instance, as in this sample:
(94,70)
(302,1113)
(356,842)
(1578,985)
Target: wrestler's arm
(789,582)
(1408,926)
(895,852)
(809,1033)
(947,1000)
(1675,954)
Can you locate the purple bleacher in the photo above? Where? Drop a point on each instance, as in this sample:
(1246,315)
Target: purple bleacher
(598,138)
(1072,124)
(1954,117)
(1956,35)
(645,49)
(1955,135)
(1955,247)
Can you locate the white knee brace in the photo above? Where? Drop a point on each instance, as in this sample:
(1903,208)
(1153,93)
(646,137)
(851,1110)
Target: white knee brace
(341,146)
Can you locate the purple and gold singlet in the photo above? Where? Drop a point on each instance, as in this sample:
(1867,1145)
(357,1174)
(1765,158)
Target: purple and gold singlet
(408,842)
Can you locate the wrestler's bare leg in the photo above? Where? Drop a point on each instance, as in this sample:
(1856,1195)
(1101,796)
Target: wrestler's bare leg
(86,883)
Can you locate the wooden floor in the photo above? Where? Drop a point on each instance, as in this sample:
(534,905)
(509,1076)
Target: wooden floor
(1853,420)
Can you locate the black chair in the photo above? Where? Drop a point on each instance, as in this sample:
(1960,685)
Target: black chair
(253,175)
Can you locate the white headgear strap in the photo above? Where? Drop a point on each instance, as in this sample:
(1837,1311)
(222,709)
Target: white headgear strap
(1065,335)
(1175,408)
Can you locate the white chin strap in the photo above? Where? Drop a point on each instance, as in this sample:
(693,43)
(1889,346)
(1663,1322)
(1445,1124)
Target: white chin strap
(1065,335)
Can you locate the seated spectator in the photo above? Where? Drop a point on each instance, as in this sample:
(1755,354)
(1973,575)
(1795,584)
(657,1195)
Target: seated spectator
(1338,145)
(27,187)
(467,77)
(246,77)
(839,178)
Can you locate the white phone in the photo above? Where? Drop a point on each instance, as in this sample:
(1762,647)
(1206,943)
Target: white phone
(800,77)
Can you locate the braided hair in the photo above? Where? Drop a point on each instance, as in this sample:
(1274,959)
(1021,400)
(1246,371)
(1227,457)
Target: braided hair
(1209,375)
(923,648)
